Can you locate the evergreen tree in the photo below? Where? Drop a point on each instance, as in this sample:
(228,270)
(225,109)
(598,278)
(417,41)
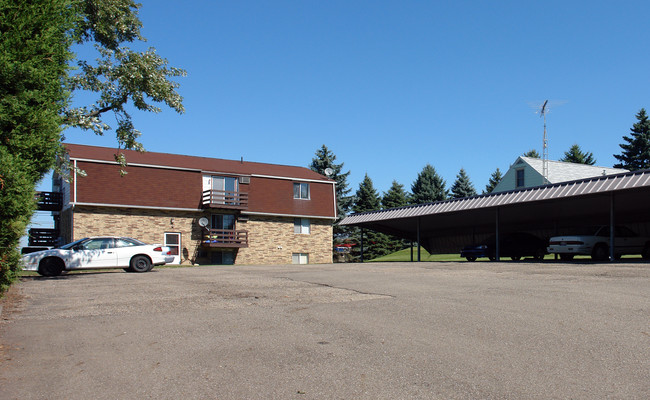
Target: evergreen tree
(37,83)
(635,152)
(576,155)
(495,178)
(532,153)
(428,187)
(325,159)
(462,187)
(395,197)
(367,199)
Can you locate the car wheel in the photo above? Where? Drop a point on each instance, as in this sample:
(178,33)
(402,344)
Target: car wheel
(140,264)
(646,252)
(566,257)
(600,252)
(470,259)
(515,258)
(539,254)
(51,267)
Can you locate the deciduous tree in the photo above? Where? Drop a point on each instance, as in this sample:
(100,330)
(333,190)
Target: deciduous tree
(37,86)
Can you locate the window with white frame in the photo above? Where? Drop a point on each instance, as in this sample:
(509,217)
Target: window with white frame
(301,191)
(300,258)
(301,225)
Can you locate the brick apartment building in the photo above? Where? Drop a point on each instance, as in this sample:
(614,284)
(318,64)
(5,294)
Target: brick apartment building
(209,211)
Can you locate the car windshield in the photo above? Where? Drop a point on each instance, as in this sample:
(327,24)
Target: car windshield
(69,245)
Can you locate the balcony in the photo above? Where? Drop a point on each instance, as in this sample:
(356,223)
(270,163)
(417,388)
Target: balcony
(49,201)
(225,199)
(216,238)
(43,237)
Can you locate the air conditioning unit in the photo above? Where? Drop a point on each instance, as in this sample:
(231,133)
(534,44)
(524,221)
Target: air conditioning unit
(244,179)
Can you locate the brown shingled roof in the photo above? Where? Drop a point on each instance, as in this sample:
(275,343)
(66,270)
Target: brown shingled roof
(78,151)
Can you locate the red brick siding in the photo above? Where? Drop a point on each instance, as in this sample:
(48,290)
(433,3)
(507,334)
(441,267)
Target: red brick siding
(142,186)
(276,196)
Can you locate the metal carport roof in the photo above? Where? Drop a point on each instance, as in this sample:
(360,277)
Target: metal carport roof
(544,210)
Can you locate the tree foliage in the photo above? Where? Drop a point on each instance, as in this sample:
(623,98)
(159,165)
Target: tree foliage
(37,87)
(576,155)
(325,159)
(395,197)
(532,153)
(462,186)
(428,187)
(375,244)
(495,178)
(34,51)
(635,152)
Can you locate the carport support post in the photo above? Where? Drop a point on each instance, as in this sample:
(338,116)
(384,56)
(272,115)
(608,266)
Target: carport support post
(411,251)
(418,239)
(497,255)
(611,227)
(361,244)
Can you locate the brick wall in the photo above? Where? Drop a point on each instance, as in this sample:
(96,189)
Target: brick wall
(266,234)
(272,241)
(148,226)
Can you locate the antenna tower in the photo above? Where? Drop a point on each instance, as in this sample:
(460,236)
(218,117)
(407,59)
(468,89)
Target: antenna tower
(542,113)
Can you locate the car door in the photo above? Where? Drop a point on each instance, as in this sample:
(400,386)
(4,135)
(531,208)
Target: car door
(94,253)
(628,242)
(125,249)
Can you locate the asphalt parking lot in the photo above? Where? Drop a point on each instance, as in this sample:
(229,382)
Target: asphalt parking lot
(515,330)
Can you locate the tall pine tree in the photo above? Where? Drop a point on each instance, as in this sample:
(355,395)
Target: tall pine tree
(532,153)
(367,199)
(428,187)
(462,187)
(495,178)
(635,152)
(576,155)
(395,197)
(325,159)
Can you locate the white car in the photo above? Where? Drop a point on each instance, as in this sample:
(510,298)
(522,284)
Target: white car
(98,252)
(595,242)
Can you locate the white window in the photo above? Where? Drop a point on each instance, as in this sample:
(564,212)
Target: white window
(301,191)
(301,225)
(300,258)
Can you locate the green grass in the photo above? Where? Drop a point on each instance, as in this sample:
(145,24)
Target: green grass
(405,255)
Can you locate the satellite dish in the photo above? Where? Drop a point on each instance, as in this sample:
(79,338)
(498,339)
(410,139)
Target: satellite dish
(329,171)
(203,222)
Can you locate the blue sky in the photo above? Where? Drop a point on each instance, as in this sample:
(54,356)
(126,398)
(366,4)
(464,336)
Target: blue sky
(390,86)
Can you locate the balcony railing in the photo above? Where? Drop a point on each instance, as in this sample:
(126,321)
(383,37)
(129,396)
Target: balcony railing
(43,237)
(49,201)
(225,199)
(225,238)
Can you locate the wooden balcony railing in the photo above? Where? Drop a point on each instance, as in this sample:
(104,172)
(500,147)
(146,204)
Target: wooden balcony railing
(225,199)
(225,238)
(43,237)
(49,201)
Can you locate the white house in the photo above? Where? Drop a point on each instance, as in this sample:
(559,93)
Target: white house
(528,172)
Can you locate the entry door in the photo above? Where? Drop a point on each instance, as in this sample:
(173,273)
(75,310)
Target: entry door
(173,241)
